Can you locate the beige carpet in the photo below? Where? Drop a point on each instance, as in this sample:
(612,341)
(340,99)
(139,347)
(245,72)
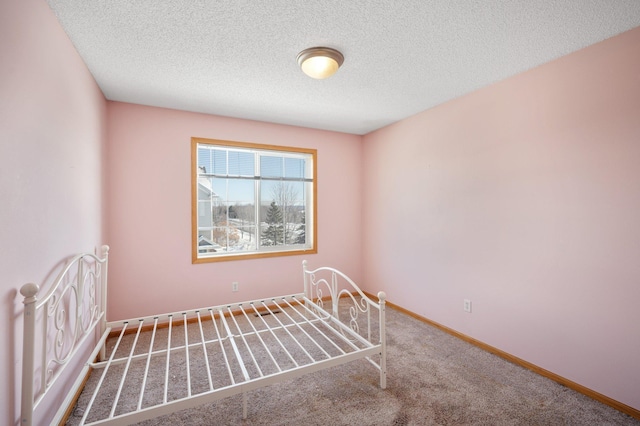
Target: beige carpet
(433,379)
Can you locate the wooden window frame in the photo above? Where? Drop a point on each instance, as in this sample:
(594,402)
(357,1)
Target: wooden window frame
(311,224)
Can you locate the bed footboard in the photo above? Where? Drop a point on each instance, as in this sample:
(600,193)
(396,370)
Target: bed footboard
(335,296)
(57,324)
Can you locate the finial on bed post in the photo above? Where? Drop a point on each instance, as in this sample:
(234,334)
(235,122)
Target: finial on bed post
(30,292)
(382,299)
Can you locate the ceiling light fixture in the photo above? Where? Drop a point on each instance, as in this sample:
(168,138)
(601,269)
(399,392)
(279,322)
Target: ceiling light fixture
(320,62)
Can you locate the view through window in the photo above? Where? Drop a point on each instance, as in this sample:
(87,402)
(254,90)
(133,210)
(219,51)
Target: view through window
(251,200)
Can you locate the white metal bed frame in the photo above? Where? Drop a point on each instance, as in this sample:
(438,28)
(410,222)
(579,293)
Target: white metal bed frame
(295,335)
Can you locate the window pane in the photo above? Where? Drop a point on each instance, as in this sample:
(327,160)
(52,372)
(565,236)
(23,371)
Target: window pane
(241,191)
(205,189)
(219,162)
(204,160)
(241,211)
(242,218)
(271,166)
(282,210)
(301,233)
(294,167)
(241,163)
(219,188)
(205,242)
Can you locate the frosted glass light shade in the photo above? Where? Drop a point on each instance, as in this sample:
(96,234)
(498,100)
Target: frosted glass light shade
(320,62)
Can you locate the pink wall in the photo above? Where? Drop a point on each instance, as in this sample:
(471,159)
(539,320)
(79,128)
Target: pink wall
(149,217)
(523,197)
(52,130)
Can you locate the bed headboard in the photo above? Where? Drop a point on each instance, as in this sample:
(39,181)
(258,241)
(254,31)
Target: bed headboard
(57,324)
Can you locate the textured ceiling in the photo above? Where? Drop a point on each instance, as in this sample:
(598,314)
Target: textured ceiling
(237,58)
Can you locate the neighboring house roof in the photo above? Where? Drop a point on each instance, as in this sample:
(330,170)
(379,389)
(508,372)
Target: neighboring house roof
(208,244)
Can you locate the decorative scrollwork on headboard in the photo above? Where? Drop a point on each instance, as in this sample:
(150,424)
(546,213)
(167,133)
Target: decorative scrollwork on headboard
(56,324)
(71,312)
(316,292)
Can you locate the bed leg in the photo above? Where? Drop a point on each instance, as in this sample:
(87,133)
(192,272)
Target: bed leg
(244,405)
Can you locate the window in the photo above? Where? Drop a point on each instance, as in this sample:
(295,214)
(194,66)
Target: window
(251,200)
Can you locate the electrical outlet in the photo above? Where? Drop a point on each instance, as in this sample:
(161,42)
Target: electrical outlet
(234,286)
(467,305)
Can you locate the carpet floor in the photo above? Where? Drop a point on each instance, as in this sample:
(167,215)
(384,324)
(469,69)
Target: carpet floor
(433,379)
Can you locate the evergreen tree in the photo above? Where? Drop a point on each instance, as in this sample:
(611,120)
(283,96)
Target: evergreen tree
(274,233)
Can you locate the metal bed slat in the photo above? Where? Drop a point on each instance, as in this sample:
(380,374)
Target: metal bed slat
(335,331)
(154,353)
(238,358)
(382,365)
(341,327)
(102,376)
(297,324)
(222,349)
(293,324)
(189,312)
(244,340)
(204,351)
(311,323)
(285,328)
(270,329)
(264,345)
(186,352)
(166,373)
(146,368)
(233,345)
(126,370)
